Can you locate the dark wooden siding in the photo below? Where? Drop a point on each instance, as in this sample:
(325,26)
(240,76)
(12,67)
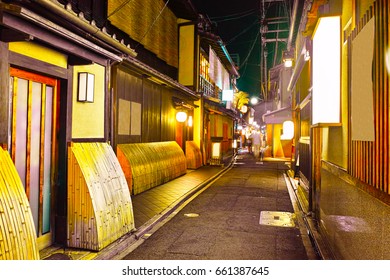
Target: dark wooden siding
(158,121)
(168,116)
(151,112)
(128,87)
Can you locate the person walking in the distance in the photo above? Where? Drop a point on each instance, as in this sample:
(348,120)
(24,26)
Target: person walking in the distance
(263,146)
(256,141)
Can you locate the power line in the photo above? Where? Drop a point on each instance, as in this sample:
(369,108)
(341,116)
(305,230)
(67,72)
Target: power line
(233,16)
(242,32)
(151,26)
(119,8)
(251,49)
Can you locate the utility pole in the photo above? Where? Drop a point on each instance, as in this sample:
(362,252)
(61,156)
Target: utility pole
(264,52)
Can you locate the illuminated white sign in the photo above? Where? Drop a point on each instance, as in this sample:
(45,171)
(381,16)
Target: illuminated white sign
(326,72)
(227,95)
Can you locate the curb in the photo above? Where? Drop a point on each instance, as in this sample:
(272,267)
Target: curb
(127,243)
(310,223)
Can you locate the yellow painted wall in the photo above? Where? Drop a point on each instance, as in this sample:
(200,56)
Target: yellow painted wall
(347,13)
(39,52)
(335,139)
(198,123)
(88,118)
(186,54)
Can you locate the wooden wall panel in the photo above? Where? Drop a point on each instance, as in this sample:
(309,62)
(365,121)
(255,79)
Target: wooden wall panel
(158,120)
(369,161)
(151,112)
(168,116)
(127,87)
(150,23)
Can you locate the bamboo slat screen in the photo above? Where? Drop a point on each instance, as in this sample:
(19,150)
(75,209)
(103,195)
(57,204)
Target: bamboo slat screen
(151,164)
(99,203)
(18,239)
(369,161)
(193,155)
(143,22)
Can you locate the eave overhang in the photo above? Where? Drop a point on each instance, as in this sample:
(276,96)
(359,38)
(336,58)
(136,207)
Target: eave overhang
(278,116)
(216,43)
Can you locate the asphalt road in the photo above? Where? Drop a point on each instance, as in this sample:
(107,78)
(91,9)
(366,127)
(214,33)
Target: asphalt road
(223,222)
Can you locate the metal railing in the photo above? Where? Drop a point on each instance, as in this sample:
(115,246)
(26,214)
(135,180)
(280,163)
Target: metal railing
(207,88)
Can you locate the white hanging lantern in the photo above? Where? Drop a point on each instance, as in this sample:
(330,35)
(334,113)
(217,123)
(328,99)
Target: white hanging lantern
(181,116)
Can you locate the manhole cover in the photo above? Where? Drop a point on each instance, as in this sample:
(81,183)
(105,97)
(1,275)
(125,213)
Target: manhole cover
(278,219)
(191,215)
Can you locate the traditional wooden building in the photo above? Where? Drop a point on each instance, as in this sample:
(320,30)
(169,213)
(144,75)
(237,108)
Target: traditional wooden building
(75,84)
(340,97)
(54,78)
(217,74)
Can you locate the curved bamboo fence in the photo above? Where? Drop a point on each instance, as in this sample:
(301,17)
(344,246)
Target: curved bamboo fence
(18,240)
(193,155)
(99,203)
(147,165)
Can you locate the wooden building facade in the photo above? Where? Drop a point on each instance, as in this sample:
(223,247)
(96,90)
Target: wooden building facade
(78,79)
(343,166)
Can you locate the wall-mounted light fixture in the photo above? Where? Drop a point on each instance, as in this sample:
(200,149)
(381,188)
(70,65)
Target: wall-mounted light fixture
(288,57)
(288,130)
(86,87)
(190,122)
(182,108)
(307,55)
(181,116)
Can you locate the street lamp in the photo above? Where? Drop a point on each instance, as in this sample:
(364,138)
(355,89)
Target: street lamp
(254,100)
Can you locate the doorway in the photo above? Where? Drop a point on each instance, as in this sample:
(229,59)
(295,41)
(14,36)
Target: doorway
(33,150)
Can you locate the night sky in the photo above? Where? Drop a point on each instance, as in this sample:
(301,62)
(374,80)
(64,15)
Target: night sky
(237,23)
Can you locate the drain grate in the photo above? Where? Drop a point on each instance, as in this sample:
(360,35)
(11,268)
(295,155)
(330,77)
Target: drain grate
(278,219)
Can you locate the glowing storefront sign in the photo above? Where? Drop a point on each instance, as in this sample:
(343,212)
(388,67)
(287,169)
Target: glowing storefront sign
(227,95)
(326,72)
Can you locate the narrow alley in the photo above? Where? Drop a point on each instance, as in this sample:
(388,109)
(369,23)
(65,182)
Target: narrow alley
(247,213)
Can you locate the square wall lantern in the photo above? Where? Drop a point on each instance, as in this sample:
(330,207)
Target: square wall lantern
(86,87)
(227,95)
